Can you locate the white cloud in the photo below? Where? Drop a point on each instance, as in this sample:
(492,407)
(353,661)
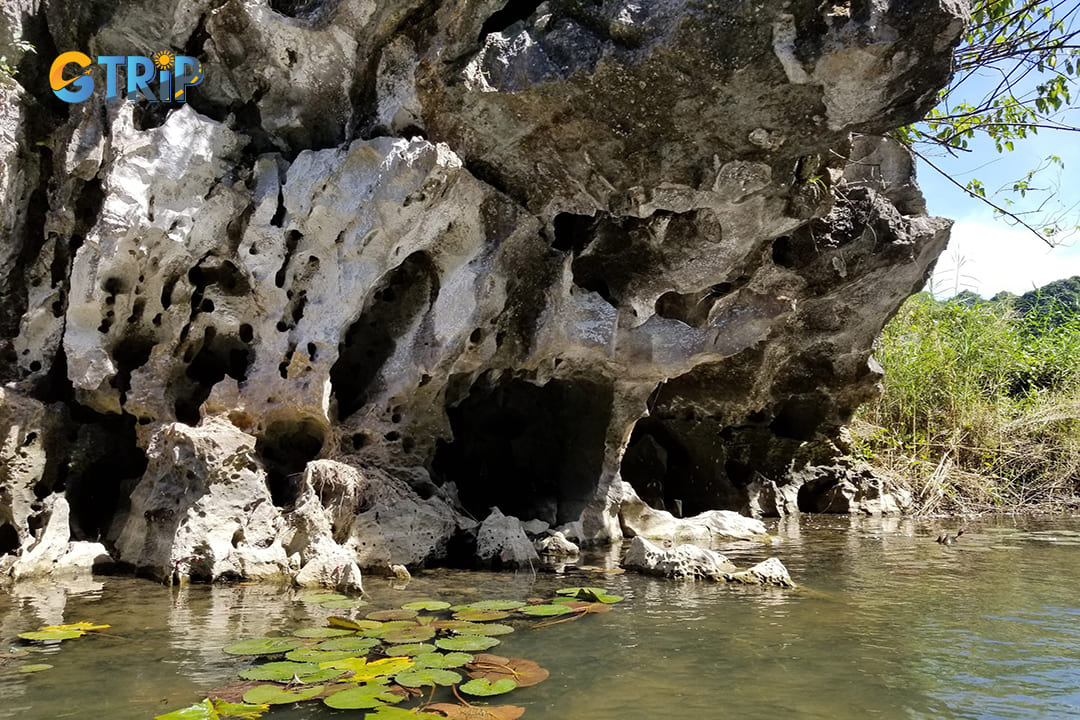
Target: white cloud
(988,256)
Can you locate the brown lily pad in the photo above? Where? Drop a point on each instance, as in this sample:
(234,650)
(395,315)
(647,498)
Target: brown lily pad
(400,614)
(478,712)
(496,667)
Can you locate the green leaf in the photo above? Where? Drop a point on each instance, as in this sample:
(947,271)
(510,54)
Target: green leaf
(317,656)
(546,610)
(427,676)
(414,649)
(442,660)
(263,646)
(363,670)
(275,695)
(352,643)
(363,697)
(384,615)
(426,605)
(278,671)
(343,604)
(480,615)
(45,635)
(393,713)
(199,711)
(414,634)
(484,688)
(318,598)
(321,632)
(242,711)
(467,643)
(34,667)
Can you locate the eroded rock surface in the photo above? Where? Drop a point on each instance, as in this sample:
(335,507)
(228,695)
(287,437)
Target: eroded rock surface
(394,264)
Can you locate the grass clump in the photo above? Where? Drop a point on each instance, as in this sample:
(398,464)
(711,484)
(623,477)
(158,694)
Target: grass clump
(980,408)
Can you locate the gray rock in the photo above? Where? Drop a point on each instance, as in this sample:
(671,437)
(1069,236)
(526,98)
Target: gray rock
(684,562)
(556,545)
(841,488)
(769,572)
(707,528)
(535,528)
(502,542)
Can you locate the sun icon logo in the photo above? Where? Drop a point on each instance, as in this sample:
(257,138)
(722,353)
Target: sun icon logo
(164,59)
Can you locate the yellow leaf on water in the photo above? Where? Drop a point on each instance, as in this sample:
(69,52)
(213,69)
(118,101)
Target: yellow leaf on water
(364,670)
(77,626)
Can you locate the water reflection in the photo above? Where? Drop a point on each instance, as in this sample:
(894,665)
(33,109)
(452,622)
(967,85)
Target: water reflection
(886,623)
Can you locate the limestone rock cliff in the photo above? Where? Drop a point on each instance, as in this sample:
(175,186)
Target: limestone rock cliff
(395,264)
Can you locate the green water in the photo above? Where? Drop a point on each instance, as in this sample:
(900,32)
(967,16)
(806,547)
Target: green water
(886,624)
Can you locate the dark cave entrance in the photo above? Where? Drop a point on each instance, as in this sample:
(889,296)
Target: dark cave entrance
(285,449)
(533,451)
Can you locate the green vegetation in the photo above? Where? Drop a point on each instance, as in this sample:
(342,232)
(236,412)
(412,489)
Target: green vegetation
(981,401)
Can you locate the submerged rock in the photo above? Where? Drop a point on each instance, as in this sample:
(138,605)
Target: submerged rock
(685,561)
(471,259)
(556,545)
(769,572)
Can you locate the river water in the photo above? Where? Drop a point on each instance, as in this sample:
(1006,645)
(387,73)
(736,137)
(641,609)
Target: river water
(886,623)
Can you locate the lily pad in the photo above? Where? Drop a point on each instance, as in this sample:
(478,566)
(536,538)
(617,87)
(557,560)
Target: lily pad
(546,610)
(427,676)
(84,626)
(426,605)
(317,656)
(481,615)
(322,632)
(478,712)
(319,598)
(489,629)
(276,671)
(263,646)
(414,634)
(485,688)
(355,625)
(33,668)
(414,649)
(394,713)
(590,594)
(276,695)
(352,643)
(343,604)
(216,710)
(495,667)
(362,697)
(363,670)
(400,614)
(44,635)
(442,660)
(467,643)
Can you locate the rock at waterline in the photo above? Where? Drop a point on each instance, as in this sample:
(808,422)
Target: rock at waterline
(769,572)
(691,562)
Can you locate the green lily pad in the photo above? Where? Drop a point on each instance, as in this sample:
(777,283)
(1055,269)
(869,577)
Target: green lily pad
(414,649)
(489,629)
(35,667)
(546,610)
(276,695)
(485,688)
(427,676)
(497,605)
(343,604)
(216,711)
(318,598)
(317,656)
(426,605)
(263,646)
(394,713)
(481,615)
(363,670)
(355,625)
(384,615)
(467,643)
(322,632)
(352,643)
(414,634)
(43,635)
(276,671)
(362,697)
(590,594)
(442,660)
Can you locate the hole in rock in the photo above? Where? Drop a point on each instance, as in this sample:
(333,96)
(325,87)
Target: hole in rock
(370,341)
(220,355)
(533,451)
(106,461)
(286,448)
(514,11)
(9,539)
(300,8)
(799,418)
(572,232)
(130,354)
(691,308)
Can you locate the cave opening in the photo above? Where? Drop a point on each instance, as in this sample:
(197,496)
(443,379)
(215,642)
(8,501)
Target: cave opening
(286,447)
(533,451)
(514,11)
(9,539)
(658,467)
(370,341)
(220,355)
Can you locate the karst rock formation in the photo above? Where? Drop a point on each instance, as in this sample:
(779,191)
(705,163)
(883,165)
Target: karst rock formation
(395,263)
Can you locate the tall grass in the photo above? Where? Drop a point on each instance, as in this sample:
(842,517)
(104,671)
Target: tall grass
(980,406)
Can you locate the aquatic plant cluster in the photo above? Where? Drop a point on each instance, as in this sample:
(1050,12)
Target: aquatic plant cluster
(391,664)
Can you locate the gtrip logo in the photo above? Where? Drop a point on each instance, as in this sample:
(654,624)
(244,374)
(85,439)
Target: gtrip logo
(163,78)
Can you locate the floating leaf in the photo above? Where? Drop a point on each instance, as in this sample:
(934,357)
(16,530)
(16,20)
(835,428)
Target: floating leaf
(481,615)
(585,593)
(199,711)
(478,712)
(414,634)
(36,667)
(426,605)
(355,625)
(233,692)
(275,695)
(84,626)
(609,599)
(318,598)
(427,676)
(322,632)
(442,660)
(317,656)
(263,646)
(546,610)
(352,643)
(363,697)
(414,649)
(468,643)
(393,713)
(275,671)
(242,711)
(495,667)
(489,629)
(363,670)
(497,605)
(484,687)
(383,615)
(343,604)
(43,635)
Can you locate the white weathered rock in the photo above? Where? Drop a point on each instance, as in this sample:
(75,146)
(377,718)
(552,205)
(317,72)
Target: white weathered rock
(685,561)
(24,426)
(52,553)
(708,528)
(502,541)
(769,572)
(535,528)
(556,545)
